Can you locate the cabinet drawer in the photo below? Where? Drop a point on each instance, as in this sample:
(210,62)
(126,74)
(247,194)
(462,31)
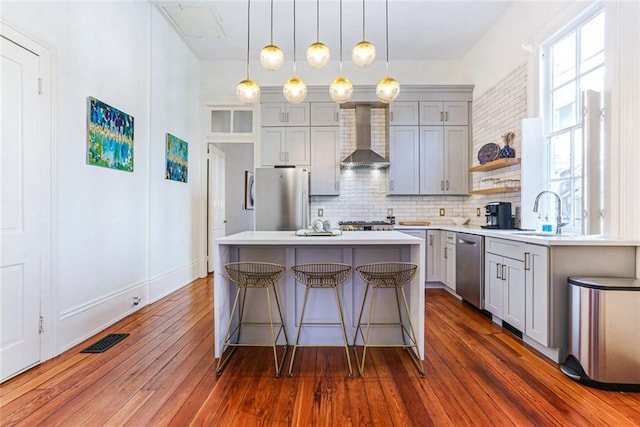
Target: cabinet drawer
(450,237)
(506,248)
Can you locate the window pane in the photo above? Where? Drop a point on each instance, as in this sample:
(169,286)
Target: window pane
(566,191)
(563,54)
(564,107)
(594,80)
(592,43)
(243,121)
(577,152)
(560,156)
(221,121)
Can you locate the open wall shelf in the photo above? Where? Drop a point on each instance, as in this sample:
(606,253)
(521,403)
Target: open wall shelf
(496,190)
(496,164)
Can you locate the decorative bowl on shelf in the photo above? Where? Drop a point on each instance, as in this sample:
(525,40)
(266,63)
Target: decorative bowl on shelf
(458,220)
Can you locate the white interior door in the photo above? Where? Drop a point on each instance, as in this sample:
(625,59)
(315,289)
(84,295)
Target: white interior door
(20,254)
(216,200)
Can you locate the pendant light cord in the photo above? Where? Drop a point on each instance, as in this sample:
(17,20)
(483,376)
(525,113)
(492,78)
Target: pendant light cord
(386,14)
(248,33)
(340,37)
(294,37)
(363,21)
(318,21)
(271,23)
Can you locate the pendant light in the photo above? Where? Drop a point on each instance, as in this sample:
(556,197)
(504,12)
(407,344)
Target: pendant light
(318,54)
(271,56)
(364,52)
(341,88)
(388,88)
(294,90)
(247,90)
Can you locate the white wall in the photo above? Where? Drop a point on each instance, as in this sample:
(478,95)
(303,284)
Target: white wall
(104,219)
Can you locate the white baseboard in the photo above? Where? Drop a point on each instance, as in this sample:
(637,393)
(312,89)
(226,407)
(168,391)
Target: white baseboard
(166,283)
(82,322)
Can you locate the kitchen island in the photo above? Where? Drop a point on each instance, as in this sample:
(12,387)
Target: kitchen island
(351,247)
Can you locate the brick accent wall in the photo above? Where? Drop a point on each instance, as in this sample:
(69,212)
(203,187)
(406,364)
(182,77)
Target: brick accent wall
(363,193)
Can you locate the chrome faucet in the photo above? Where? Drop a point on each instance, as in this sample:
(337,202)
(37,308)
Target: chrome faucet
(559,222)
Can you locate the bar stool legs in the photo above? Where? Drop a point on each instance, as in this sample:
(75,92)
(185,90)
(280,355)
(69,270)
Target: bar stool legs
(328,275)
(254,275)
(390,276)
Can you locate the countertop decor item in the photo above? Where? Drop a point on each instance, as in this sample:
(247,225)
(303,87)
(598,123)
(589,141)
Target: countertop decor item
(488,152)
(458,220)
(507,151)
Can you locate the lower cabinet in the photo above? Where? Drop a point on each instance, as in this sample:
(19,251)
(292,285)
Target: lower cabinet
(434,255)
(449,259)
(537,298)
(505,281)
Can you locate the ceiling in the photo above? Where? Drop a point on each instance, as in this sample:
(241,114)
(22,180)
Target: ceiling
(418,29)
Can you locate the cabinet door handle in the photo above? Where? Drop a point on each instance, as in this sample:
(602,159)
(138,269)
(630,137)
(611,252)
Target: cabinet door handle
(391,185)
(441,185)
(441,116)
(282,117)
(498,271)
(446,116)
(504,276)
(447,184)
(445,253)
(431,240)
(527,261)
(391,116)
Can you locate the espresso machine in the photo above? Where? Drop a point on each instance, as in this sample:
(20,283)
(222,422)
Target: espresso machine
(498,215)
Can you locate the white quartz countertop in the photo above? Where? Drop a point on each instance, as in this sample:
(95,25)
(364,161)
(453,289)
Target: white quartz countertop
(346,238)
(529,236)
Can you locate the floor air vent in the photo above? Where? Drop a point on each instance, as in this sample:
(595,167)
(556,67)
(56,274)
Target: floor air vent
(105,343)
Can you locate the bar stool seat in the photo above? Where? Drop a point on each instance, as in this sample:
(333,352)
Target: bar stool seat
(321,275)
(254,275)
(387,275)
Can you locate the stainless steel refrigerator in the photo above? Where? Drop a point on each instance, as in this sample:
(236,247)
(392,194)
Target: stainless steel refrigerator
(281,199)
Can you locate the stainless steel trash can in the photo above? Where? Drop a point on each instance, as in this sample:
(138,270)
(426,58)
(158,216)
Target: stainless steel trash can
(604,332)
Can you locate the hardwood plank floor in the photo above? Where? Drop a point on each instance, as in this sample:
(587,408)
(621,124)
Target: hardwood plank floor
(163,374)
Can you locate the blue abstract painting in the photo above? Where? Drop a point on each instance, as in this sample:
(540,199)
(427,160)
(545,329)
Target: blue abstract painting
(177,159)
(110,142)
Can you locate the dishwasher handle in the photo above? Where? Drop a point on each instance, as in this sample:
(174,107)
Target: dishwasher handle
(467,242)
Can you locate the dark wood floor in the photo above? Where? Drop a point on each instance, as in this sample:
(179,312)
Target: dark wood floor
(164,374)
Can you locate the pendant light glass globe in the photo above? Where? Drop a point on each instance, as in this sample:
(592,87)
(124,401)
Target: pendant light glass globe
(294,90)
(363,54)
(248,91)
(341,90)
(387,90)
(318,55)
(271,57)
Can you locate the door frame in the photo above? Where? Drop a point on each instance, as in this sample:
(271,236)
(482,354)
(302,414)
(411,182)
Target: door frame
(47,183)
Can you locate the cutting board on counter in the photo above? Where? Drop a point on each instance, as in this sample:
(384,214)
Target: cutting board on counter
(414,223)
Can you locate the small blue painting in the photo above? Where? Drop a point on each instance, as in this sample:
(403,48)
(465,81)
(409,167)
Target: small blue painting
(177,159)
(110,141)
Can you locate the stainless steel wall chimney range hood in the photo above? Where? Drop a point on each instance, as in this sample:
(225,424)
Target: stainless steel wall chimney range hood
(364,156)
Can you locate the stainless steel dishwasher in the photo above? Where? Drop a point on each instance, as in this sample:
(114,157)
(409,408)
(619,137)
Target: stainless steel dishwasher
(470,268)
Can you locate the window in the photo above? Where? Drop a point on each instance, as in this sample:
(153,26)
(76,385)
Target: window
(573,62)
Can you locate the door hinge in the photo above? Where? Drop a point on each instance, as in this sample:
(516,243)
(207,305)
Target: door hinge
(41,326)
(39,85)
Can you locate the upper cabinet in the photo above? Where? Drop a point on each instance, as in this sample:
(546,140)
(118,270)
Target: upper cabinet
(286,146)
(230,122)
(447,113)
(404,113)
(285,114)
(325,114)
(325,161)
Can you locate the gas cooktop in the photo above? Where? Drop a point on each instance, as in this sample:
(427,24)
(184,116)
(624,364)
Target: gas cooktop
(365,225)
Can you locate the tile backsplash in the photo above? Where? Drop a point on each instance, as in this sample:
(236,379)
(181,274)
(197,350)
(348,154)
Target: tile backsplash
(363,192)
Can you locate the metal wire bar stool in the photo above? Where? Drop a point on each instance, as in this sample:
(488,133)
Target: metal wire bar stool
(254,275)
(389,275)
(321,275)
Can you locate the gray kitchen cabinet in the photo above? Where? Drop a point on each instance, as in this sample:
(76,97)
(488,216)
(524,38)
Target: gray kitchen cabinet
(434,255)
(284,114)
(449,260)
(444,160)
(404,167)
(448,113)
(325,114)
(536,283)
(404,113)
(325,161)
(505,281)
(285,146)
